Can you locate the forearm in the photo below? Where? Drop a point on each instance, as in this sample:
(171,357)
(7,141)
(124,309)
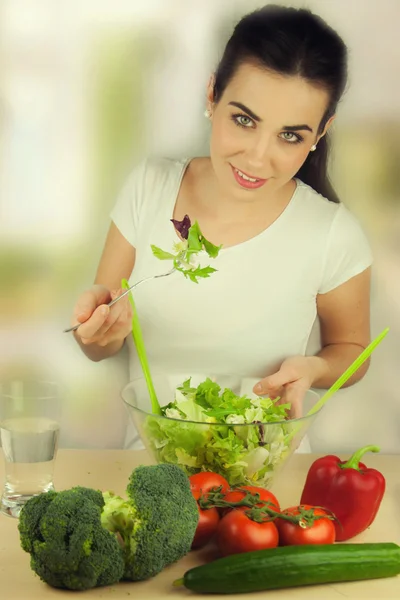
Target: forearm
(331,362)
(97,353)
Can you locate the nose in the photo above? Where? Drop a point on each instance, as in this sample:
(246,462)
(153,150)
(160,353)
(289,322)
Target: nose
(259,153)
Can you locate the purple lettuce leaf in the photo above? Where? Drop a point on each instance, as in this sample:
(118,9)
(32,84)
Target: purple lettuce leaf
(182,227)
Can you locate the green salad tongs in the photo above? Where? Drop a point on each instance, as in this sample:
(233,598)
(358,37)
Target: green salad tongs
(365,354)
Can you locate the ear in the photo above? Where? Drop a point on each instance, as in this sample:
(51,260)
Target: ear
(327,126)
(210,92)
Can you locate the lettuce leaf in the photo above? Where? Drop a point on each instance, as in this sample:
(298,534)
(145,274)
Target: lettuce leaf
(185,251)
(210,429)
(182,227)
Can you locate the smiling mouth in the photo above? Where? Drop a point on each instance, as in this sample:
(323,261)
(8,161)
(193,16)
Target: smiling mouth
(247,177)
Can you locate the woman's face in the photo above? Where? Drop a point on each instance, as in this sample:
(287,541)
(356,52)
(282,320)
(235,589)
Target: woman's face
(263,128)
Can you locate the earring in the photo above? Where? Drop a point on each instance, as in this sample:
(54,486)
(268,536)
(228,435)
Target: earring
(207,113)
(313,148)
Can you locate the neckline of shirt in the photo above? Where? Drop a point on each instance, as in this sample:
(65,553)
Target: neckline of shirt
(183,165)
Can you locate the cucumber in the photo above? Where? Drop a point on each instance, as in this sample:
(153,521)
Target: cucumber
(291,566)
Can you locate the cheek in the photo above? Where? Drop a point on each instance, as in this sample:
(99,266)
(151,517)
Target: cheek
(224,138)
(292,159)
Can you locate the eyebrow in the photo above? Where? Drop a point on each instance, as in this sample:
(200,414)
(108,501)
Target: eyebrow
(297,127)
(302,127)
(246,110)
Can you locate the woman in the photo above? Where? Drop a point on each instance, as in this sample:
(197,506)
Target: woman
(291,252)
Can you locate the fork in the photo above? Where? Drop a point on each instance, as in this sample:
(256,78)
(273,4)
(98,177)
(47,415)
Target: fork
(75,327)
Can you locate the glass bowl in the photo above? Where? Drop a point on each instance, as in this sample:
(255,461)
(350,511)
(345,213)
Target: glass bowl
(245,454)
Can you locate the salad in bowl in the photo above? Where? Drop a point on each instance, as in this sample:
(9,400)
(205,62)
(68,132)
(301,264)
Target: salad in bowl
(217,424)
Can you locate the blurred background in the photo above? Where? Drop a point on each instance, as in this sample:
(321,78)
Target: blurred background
(88,88)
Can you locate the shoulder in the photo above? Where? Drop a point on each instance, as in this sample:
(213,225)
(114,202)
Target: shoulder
(344,248)
(156,172)
(148,184)
(312,201)
(335,215)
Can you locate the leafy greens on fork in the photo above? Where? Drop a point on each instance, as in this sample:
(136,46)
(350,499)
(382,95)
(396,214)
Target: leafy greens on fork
(192,243)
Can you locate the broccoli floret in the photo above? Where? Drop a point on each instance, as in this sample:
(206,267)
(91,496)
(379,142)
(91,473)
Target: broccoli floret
(30,517)
(158,521)
(69,547)
(82,538)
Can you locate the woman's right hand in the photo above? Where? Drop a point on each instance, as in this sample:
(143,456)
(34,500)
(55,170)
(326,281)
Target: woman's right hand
(101,324)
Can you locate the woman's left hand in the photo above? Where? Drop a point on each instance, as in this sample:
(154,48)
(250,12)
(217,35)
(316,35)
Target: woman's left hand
(295,376)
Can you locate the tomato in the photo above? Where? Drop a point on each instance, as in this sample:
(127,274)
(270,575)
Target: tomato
(237,533)
(322,531)
(237,495)
(206,527)
(203,482)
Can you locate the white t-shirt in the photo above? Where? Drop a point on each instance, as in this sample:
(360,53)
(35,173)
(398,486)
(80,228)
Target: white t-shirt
(260,305)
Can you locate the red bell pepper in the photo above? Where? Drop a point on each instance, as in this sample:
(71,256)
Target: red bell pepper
(349,489)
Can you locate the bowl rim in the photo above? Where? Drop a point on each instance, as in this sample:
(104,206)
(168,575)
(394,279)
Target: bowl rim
(305,418)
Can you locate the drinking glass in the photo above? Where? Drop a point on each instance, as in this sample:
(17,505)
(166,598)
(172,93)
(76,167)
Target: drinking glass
(29,432)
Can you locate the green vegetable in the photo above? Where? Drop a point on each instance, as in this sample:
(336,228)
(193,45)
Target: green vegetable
(157,523)
(68,546)
(81,538)
(292,566)
(209,429)
(224,406)
(192,243)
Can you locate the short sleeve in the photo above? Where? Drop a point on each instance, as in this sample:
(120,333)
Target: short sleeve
(126,211)
(348,251)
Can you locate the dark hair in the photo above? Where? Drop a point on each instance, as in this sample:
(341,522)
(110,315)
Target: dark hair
(292,41)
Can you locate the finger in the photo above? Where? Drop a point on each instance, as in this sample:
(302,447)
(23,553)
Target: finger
(115,314)
(117,324)
(118,331)
(294,395)
(89,301)
(84,308)
(91,327)
(272,384)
